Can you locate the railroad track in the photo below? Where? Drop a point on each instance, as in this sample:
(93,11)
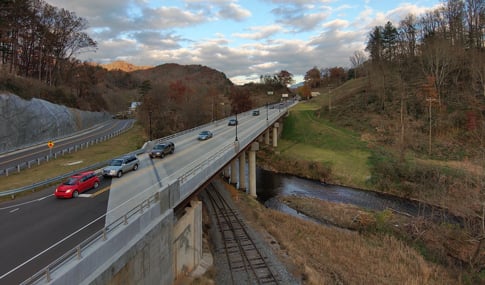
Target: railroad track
(243,256)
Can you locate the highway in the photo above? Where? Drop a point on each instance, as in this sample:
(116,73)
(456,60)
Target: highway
(36,229)
(34,223)
(12,159)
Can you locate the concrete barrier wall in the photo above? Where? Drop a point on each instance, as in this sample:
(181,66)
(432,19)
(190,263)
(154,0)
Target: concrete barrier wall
(140,253)
(187,240)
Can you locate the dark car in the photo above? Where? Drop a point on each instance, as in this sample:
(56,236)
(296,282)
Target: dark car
(162,149)
(204,135)
(232,122)
(256,113)
(77,184)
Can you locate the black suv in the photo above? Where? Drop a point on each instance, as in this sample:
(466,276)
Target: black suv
(160,150)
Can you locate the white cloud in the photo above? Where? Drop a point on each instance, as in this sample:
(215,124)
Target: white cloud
(243,39)
(258,33)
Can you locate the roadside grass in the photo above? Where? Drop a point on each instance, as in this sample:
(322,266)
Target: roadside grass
(307,137)
(127,142)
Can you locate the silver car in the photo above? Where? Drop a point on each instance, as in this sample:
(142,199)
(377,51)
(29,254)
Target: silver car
(119,166)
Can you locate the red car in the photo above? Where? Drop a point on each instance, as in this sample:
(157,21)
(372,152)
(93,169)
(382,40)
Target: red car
(77,184)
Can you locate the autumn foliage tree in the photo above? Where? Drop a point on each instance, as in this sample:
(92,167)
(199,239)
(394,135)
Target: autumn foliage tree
(38,40)
(313,77)
(305,91)
(240,100)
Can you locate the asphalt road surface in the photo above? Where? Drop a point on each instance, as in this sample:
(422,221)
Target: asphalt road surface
(38,228)
(40,222)
(10,160)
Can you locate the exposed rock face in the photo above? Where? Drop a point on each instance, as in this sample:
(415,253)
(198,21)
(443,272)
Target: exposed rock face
(25,123)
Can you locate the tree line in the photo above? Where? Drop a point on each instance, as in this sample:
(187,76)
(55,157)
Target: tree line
(445,45)
(38,40)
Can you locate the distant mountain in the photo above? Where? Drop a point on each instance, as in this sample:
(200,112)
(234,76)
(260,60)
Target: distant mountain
(296,85)
(124,66)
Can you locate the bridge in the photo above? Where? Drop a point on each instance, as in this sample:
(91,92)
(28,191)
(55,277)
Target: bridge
(153,226)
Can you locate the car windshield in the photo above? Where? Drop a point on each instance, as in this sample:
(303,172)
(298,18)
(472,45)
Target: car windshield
(116,162)
(204,133)
(159,146)
(71,181)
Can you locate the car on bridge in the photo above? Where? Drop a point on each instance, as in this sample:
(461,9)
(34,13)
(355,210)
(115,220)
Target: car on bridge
(117,167)
(204,135)
(232,122)
(77,184)
(256,113)
(162,149)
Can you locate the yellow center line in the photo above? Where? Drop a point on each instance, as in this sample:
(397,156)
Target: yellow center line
(100,191)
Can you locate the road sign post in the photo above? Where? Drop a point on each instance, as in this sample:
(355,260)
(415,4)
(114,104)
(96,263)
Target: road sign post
(50,145)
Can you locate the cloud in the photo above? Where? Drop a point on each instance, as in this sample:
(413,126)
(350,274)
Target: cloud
(234,12)
(239,38)
(258,33)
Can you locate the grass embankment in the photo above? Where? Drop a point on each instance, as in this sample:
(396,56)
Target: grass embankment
(313,139)
(124,143)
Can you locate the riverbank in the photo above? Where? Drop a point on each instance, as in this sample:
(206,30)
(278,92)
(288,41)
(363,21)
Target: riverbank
(320,254)
(322,152)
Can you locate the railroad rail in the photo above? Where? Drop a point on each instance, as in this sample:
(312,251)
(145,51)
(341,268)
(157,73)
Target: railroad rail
(244,258)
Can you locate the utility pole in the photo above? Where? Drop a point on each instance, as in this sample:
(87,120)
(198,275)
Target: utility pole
(430,100)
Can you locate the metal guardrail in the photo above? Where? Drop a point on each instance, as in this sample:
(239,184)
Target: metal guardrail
(54,155)
(77,252)
(49,181)
(229,150)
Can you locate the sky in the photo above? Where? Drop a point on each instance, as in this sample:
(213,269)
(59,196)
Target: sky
(244,39)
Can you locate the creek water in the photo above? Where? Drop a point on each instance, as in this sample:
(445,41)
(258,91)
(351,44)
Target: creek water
(270,185)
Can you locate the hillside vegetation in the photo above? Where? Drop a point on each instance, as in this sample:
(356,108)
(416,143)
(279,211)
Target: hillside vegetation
(340,145)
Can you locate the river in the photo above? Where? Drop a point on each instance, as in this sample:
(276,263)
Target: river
(270,185)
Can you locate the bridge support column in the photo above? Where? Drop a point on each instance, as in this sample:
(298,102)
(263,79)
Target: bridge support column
(266,137)
(252,168)
(275,134)
(233,172)
(226,172)
(242,172)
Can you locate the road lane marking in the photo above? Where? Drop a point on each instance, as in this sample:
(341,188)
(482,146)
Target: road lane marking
(14,210)
(28,202)
(74,162)
(85,195)
(101,191)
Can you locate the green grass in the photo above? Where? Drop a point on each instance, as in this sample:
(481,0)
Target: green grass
(307,137)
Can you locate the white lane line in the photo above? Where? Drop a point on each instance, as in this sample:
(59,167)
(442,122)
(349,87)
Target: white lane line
(85,195)
(14,210)
(25,203)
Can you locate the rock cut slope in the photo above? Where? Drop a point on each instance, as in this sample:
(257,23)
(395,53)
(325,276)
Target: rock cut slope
(25,122)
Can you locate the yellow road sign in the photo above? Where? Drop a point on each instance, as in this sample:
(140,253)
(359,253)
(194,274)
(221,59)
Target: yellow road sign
(50,144)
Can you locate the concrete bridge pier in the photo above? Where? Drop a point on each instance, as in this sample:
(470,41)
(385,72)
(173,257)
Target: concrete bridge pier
(275,134)
(266,137)
(233,172)
(242,172)
(226,172)
(252,168)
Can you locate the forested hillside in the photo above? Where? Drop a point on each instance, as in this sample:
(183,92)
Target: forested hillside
(418,102)
(38,48)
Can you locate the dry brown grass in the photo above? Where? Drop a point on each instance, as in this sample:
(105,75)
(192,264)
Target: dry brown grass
(326,255)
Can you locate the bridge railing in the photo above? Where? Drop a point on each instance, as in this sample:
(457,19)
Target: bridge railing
(192,179)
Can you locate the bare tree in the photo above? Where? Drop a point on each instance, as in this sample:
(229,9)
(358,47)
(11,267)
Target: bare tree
(357,60)
(475,17)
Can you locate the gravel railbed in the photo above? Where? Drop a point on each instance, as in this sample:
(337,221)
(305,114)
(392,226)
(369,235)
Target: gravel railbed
(223,275)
